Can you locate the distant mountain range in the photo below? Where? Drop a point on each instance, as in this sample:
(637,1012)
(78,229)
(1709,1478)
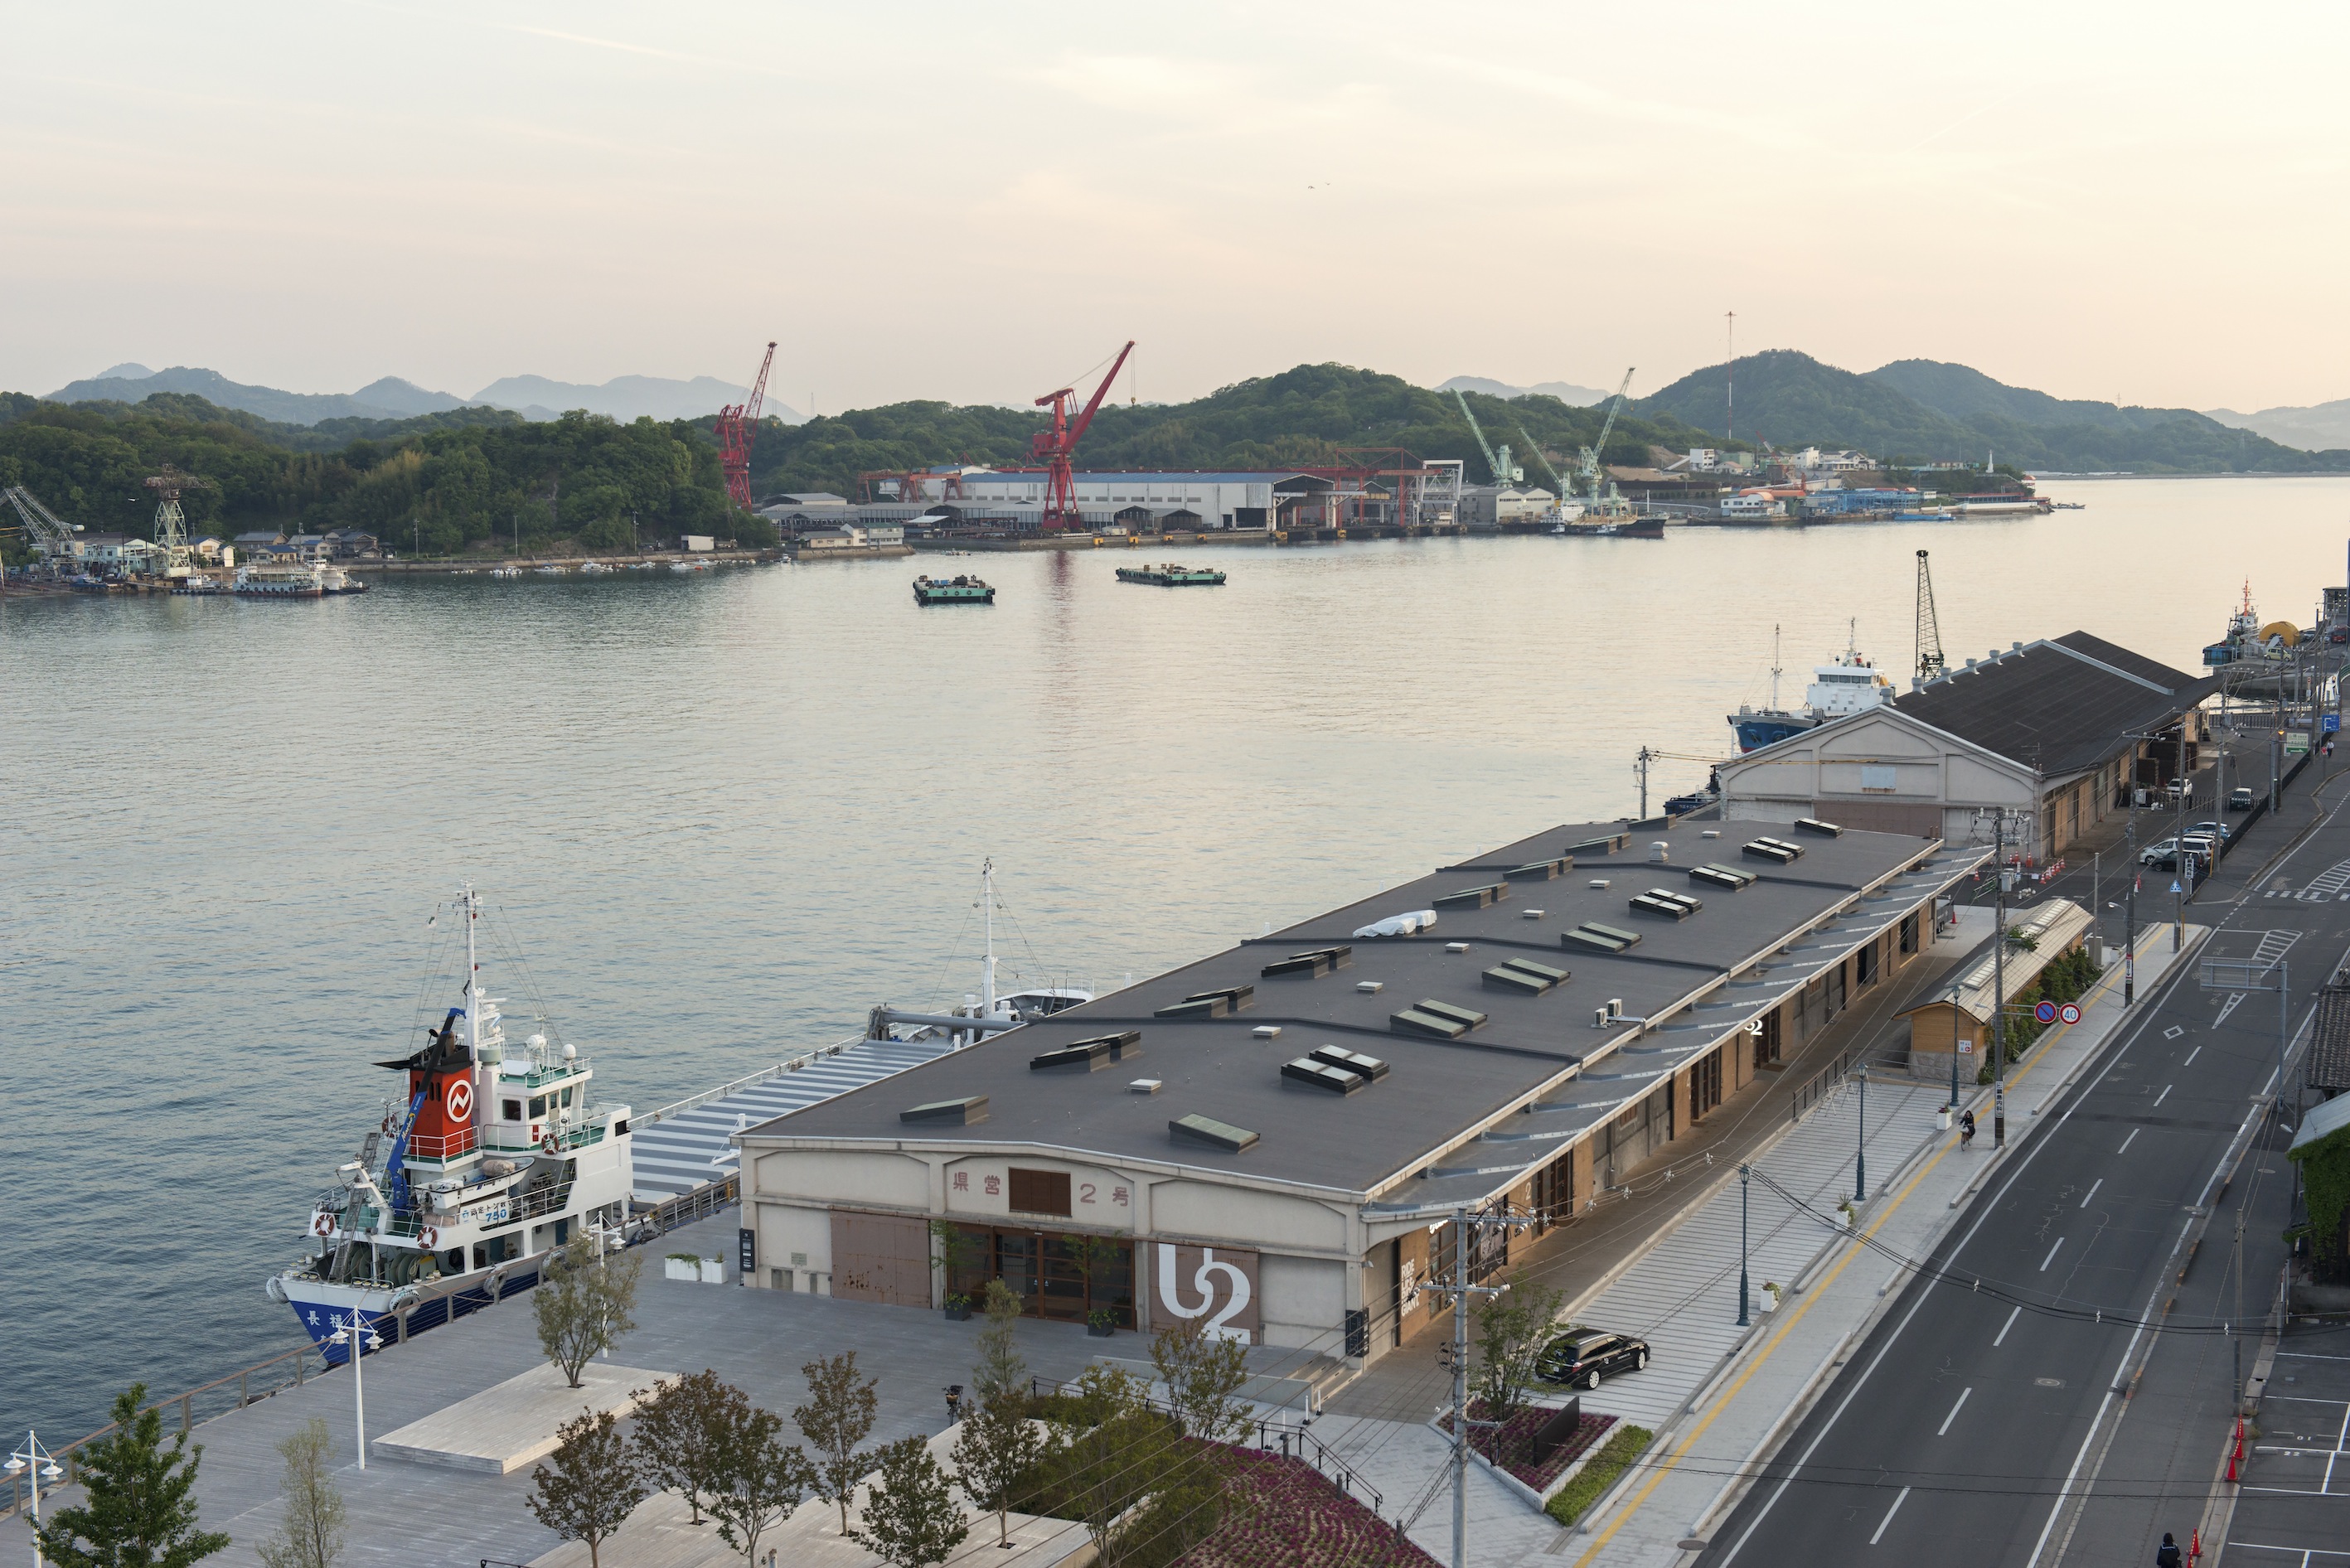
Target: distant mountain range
(1925,410)
(2316,427)
(1564,392)
(624,398)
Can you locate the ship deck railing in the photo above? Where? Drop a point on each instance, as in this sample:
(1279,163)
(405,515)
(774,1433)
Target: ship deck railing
(250,1385)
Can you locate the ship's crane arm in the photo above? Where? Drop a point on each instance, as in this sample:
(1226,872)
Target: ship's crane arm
(1534,446)
(1931,662)
(1590,465)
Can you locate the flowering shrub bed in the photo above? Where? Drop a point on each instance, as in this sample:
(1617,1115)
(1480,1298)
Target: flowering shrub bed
(1510,1444)
(1285,1513)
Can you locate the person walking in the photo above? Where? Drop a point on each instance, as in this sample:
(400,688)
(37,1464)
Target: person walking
(1966,1131)
(2169,1556)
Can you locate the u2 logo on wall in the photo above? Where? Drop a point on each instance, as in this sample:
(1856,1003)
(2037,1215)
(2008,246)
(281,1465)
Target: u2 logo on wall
(1203,1283)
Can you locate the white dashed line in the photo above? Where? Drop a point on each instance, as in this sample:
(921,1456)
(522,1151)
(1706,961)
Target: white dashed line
(2092,1192)
(2127,1141)
(1944,1429)
(1888,1517)
(2005,1326)
(2052,1255)
(2192,1054)
(2162,1096)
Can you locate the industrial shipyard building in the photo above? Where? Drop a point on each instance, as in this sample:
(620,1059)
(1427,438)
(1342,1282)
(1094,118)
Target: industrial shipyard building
(1276,1140)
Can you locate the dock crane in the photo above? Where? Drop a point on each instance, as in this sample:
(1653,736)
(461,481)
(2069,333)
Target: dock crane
(1054,447)
(738,425)
(1500,467)
(171,523)
(51,538)
(1588,469)
(1931,662)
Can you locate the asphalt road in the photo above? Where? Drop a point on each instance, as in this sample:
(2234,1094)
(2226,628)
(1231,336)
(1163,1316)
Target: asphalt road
(1994,1426)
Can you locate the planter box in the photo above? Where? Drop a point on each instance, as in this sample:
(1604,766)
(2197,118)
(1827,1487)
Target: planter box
(682,1268)
(1100,1330)
(958,1314)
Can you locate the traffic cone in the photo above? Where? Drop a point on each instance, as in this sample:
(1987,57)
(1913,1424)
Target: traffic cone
(2195,1546)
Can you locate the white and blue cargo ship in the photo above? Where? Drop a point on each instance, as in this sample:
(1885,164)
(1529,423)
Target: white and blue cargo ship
(1849,684)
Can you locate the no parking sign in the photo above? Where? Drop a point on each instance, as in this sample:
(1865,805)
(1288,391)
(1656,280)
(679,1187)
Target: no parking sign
(2045,1013)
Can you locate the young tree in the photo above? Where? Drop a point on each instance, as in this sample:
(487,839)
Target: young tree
(312,1535)
(594,1485)
(680,1434)
(136,1507)
(1000,1446)
(911,1519)
(1512,1329)
(583,1303)
(759,1478)
(838,1417)
(1000,1372)
(1204,1375)
(1128,1453)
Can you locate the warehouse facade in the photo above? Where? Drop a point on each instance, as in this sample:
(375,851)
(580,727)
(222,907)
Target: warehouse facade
(1274,1140)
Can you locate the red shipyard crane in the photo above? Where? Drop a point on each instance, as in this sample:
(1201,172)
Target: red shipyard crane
(1053,448)
(737,425)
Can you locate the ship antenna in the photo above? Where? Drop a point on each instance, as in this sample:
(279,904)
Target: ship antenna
(987,901)
(1774,667)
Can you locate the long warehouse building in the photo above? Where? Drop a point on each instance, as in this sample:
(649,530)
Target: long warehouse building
(1276,1138)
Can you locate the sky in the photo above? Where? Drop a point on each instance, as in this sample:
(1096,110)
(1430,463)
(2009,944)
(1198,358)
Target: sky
(977,203)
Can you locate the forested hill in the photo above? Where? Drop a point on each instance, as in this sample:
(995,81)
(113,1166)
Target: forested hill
(437,482)
(1298,419)
(1924,409)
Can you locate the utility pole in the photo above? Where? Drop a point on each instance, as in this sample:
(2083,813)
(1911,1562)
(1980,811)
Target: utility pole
(1745,1317)
(1860,1137)
(2184,860)
(2129,914)
(1729,380)
(1999,984)
(1460,1290)
(1640,767)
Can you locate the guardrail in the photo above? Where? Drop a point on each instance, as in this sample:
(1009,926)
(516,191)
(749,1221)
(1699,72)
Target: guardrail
(790,1064)
(289,1370)
(684,1210)
(1824,1083)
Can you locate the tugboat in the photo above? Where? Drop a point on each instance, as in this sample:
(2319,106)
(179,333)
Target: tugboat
(1850,685)
(960,590)
(496,1159)
(1172,576)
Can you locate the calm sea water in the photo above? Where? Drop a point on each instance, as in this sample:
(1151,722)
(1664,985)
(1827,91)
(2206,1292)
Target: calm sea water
(723,814)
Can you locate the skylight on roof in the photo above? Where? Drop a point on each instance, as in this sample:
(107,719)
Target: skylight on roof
(1524,976)
(1667,903)
(1727,877)
(1600,938)
(1208,1130)
(962,1113)
(1777,851)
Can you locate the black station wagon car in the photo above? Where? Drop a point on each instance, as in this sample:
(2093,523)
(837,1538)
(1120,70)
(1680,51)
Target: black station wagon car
(1580,1358)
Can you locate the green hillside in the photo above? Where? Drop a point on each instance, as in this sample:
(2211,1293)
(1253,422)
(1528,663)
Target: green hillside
(438,481)
(1301,417)
(1923,410)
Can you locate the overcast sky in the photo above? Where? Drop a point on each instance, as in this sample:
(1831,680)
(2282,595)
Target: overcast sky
(2141,203)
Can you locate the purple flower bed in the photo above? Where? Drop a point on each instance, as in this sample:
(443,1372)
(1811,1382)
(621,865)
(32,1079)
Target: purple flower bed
(1510,1444)
(1288,1514)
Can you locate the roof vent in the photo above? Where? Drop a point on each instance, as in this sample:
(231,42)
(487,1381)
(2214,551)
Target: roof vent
(1441,1020)
(1663,901)
(1475,898)
(1368,1067)
(1456,947)
(1776,850)
(1813,824)
(1600,938)
(1529,914)
(1211,1132)
(1315,1075)
(1711,833)
(1540,870)
(1312,964)
(1525,977)
(967,1112)
(1726,877)
(1267,1032)
(1607,845)
(1209,1004)
(1144,1087)
(1661,852)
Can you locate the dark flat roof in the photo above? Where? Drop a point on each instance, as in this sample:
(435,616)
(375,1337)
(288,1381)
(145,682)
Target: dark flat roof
(1438,1090)
(2061,705)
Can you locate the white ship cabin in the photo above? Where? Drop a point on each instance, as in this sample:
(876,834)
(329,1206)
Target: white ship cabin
(1850,685)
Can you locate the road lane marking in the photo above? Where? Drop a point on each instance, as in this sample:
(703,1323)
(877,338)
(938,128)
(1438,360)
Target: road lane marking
(2162,1096)
(1944,1429)
(2127,1141)
(2052,1255)
(2092,1192)
(1889,1512)
(2192,1054)
(2173,1032)
(2005,1326)
(2226,1008)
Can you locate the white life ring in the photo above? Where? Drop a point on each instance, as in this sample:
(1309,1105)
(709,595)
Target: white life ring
(547,1145)
(430,1237)
(324,1225)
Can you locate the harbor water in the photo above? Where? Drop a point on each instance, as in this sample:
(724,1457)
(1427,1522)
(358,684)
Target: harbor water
(724,814)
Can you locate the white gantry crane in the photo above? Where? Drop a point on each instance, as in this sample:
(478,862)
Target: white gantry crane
(1502,471)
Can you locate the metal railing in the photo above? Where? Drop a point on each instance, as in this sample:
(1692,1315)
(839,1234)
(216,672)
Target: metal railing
(290,1369)
(790,1064)
(684,1209)
(1823,1084)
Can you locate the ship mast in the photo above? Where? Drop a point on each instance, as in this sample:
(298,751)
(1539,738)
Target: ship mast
(987,900)
(1774,667)
(473,980)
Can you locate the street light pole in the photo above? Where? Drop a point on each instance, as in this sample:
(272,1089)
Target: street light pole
(1999,987)
(2129,913)
(355,1331)
(1860,1138)
(1745,1318)
(43,1465)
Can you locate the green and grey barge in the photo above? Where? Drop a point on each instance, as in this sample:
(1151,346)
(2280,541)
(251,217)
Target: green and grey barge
(1169,575)
(963,590)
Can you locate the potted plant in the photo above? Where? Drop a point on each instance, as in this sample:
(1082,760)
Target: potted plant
(958,1309)
(1101,1322)
(1770,1298)
(1851,1215)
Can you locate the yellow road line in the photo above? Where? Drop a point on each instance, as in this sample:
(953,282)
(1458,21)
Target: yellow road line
(1778,1338)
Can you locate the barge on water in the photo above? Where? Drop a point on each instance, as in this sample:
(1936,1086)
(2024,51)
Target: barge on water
(965,589)
(1169,574)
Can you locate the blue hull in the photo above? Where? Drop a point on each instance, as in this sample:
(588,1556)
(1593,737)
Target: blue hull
(1754,733)
(317,1316)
